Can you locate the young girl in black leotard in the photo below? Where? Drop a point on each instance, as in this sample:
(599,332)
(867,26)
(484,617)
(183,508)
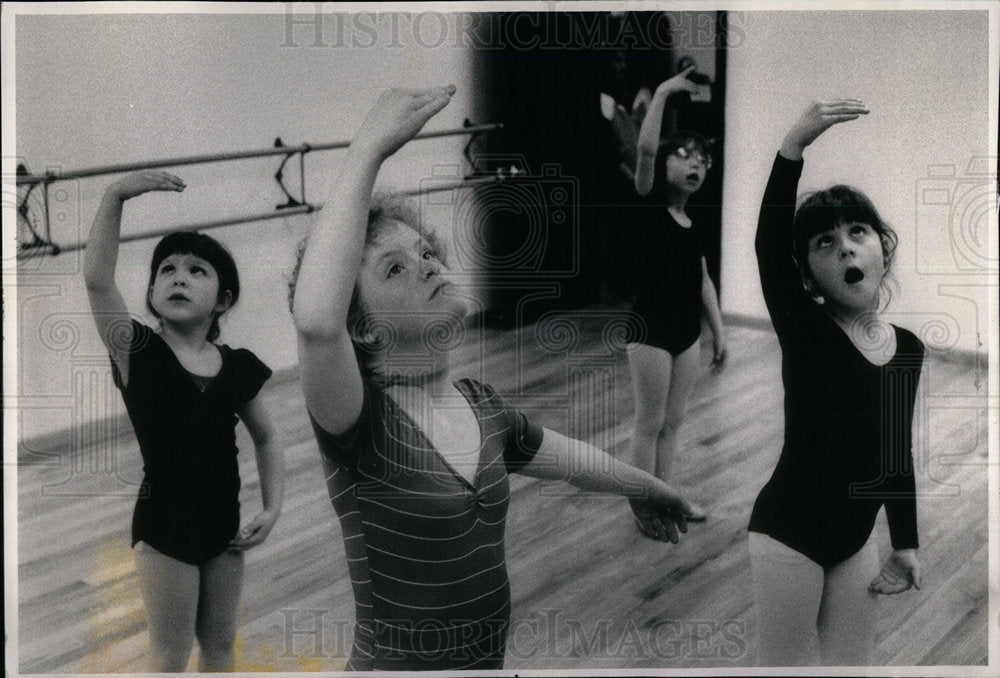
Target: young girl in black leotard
(416,463)
(183,393)
(672,289)
(850,383)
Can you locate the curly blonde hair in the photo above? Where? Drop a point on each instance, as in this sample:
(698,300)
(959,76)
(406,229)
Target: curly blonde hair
(383,207)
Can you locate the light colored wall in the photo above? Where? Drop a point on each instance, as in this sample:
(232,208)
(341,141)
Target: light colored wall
(925,77)
(103,89)
(97,89)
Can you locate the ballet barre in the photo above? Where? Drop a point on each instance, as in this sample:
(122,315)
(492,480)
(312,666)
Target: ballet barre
(44,246)
(51,249)
(53,175)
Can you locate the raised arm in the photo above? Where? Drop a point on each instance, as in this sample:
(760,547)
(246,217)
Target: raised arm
(330,375)
(106,303)
(660,511)
(649,133)
(779,276)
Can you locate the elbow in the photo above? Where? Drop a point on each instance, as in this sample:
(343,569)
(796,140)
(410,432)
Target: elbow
(314,319)
(643,183)
(98,272)
(96,282)
(310,328)
(315,332)
(645,169)
(307,322)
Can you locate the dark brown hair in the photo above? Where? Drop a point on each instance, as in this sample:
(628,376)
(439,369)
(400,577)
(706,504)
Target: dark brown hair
(204,247)
(821,211)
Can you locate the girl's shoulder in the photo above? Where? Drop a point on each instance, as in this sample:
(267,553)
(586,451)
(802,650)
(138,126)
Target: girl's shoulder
(139,334)
(238,354)
(145,351)
(248,371)
(907,342)
(686,221)
(142,343)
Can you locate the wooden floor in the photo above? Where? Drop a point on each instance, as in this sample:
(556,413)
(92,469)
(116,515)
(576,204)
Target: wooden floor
(588,590)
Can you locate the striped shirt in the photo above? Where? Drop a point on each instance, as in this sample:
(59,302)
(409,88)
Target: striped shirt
(424,546)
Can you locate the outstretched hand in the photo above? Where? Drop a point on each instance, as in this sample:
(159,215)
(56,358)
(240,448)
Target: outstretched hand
(398,116)
(662,513)
(818,117)
(138,183)
(900,573)
(254,532)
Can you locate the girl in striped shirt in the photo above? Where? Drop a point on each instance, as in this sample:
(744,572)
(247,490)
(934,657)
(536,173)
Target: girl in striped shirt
(416,462)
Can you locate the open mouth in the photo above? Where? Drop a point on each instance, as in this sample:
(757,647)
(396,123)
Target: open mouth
(693,177)
(853,275)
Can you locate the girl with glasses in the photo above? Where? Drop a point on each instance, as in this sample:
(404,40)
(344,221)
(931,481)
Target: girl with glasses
(673,288)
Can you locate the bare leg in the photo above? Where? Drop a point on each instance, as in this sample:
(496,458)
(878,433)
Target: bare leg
(788,588)
(221,585)
(170,592)
(682,381)
(849,611)
(650,368)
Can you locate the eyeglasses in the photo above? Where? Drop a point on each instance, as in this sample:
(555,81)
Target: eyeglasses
(686,153)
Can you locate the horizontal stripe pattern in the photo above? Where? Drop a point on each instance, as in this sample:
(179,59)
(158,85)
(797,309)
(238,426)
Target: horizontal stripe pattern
(426,548)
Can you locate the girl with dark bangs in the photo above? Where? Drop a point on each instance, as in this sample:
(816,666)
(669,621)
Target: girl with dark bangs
(183,393)
(850,381)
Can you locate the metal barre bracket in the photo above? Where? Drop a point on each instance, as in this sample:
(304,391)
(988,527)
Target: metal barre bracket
(279,175)
(43,245)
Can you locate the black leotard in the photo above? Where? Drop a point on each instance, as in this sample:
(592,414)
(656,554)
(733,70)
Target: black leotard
(188,505)
(848,422)
(668,284)
(424,547)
